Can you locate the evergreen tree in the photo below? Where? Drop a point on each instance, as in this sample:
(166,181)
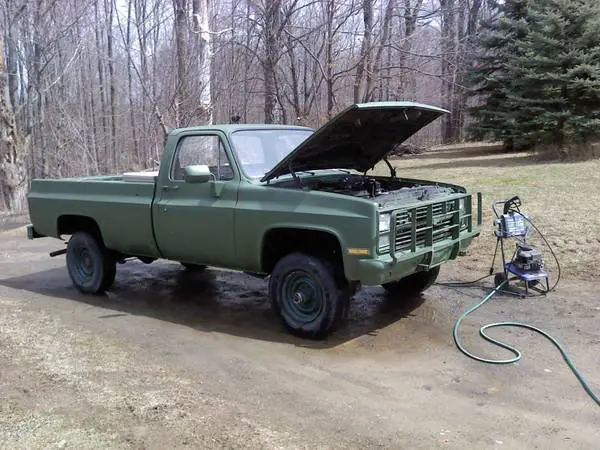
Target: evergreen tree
(556,73)
(545,85)
(496,47)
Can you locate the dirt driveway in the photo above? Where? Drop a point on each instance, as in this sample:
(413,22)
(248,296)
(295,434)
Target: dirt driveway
(171,360)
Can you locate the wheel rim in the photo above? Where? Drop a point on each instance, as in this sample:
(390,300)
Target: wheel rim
(84,265)
(302,297)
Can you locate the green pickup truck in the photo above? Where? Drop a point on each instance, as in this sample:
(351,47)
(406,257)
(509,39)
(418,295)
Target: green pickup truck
(284,202)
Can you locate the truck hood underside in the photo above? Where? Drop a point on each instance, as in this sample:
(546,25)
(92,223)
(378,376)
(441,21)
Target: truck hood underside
(358,137)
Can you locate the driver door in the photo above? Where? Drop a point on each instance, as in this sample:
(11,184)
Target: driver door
(194,220)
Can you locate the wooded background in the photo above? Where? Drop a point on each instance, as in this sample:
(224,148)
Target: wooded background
(92,87)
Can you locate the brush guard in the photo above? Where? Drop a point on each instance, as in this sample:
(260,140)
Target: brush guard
(423,232)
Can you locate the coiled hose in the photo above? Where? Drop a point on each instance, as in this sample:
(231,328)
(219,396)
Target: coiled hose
(513,350)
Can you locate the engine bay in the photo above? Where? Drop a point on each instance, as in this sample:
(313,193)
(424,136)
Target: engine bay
(384,190)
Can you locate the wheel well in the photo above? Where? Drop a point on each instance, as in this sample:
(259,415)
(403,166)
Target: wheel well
(69,224)
(282,241)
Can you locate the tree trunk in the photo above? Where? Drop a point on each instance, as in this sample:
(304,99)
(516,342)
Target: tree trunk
(180,45)
(200,13)
(271,24)
(448,69)
(12,64)
(13,173)
(39,140)
(294,83)
(364,63)
(132,125)
(112,97)
(386,26)
(411,15)
(142,19)
(247,60)
(105,167)
(329,58)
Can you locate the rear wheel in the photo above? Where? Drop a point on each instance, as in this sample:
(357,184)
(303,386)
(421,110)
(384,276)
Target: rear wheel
(92,268)
(413,284)
(306,295)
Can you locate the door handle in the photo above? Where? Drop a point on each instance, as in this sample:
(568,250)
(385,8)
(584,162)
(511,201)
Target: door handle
(170,187)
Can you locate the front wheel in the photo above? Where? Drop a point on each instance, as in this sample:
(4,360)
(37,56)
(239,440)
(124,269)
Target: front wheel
(413,284)
(91,266)
(305,294)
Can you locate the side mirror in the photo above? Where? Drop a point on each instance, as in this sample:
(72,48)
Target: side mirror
(197,174)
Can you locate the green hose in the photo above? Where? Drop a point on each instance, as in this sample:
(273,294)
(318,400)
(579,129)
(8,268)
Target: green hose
(513,350)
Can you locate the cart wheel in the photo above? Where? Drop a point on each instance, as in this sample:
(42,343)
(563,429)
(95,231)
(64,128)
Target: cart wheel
(499,279)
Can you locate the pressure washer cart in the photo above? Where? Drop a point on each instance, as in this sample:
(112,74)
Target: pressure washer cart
(527,262)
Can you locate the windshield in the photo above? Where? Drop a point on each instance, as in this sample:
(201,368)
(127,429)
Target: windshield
(258,151)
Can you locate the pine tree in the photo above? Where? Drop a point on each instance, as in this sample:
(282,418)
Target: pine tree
(545,85)
(556,73)
(488,75)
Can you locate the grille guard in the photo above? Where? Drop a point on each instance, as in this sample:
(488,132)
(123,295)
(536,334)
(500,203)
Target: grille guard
(429,229)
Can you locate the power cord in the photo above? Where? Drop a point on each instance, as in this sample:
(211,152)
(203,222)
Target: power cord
(465,283)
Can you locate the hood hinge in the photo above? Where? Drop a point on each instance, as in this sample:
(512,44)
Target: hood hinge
(295,177)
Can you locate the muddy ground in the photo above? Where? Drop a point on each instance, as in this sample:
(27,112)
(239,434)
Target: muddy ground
(169,359)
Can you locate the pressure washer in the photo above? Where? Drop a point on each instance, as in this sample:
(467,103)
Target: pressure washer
(527,266)
(527,261)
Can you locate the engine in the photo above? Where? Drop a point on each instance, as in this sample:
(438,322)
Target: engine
(385,191)
(528,258)
(389,191)
(357,186)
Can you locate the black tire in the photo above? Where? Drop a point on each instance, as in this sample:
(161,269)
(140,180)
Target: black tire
(193,267)
(304,293)
(91,266)
(413,284)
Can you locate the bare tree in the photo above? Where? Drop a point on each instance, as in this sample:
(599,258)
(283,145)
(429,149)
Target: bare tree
(460,21)
(180,30)
(92,87)
(13,174)
(364,69)
(130,94)
(272,18)
(108,10)
(200,12)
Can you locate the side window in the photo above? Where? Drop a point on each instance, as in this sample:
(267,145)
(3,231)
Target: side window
(202,150)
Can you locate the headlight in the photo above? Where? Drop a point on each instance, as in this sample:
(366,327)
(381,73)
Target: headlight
(461,204)
(384,222)
(384,243)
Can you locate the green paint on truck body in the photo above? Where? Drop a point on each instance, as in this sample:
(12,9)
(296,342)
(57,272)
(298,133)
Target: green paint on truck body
(254,210)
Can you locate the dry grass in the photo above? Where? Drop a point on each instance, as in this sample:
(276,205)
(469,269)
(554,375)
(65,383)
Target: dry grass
(563,200)
(468,146)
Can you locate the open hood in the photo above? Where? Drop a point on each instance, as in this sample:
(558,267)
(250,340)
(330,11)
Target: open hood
(358,137)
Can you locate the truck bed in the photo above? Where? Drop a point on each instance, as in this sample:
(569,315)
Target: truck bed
(122,209)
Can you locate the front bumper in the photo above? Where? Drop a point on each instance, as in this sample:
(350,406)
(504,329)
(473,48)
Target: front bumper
(385,269)
(423,247)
